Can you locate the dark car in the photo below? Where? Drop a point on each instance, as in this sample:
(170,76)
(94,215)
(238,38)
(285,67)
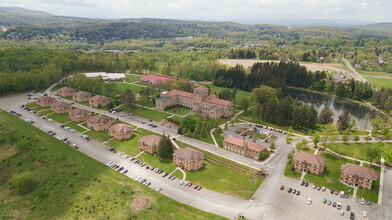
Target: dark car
(348,208)
(352,215)
(306,184)
(324,201)
(298,193)
(290,189)
(302,183)
(332,191)
(367,202)
(334,204)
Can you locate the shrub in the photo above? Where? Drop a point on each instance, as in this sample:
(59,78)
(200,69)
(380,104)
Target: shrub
(272,146)
(264,155)
(367,138)
(24,183)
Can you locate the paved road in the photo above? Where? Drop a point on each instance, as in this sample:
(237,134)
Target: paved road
(355,72)
(268,203)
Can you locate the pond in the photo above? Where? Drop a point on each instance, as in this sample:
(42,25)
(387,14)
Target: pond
(361,113)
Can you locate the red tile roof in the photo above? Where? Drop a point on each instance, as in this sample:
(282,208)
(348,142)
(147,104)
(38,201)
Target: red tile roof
(201,88)
(213,99)
(175,92)
(158,78)
(189,154)
(240,142)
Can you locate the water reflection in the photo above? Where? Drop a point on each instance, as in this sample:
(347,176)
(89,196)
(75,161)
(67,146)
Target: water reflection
(361,113)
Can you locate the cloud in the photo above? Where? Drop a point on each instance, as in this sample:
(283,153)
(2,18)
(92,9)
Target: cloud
(371,10)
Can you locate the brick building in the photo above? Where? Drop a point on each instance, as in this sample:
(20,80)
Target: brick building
(188,158)
(243,147)
(99,101)
(121,131)
(79,115)
(45,101)
(149,143)
(99,123)
(199,101)
(358,176)
(156,80)
(307,162)
(81,96)
(61,107)
(66,92)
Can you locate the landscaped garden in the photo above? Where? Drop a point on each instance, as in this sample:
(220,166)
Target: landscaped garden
(178,110)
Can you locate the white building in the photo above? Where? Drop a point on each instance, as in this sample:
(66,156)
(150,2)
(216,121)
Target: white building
(107,76)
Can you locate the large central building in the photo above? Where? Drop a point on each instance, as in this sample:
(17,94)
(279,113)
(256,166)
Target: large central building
(199,101)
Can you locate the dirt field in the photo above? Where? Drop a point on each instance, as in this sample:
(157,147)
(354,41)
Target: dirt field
(329,67)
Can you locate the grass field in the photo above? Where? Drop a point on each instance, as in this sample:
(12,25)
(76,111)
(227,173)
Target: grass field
(121,86)
(371,195)
(146,113)
(380,82)
(289,173)
(60,118)
(75,126)
(148,103)
(179,111)
(129,147)
(239,96)
(46,111)
(330,177)
(100,136)
(356,150)
(72,185)
(218,138)
(31,104)
(132,78)
(177,118)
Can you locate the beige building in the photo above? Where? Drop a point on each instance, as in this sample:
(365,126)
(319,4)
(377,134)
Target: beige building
(99,101)
(188,158)
(307,162)
(243,147)
(45,101)
(81,96)
(61,107)
(99,123)
(121,131)
(355,175)
(66,92)
(199,101)
(149,143)
(79,115)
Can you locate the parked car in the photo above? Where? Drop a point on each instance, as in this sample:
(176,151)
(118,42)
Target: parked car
(302,183)
(362,201)
(309,201)
(294,191)
(352,215)
(339,205)
(290,189)
(332,191)
(281,187)
(325,201)
(323,189)
(319,188)
(364,213)
(329,202)
(348,208)
(306,184)
(342,213)
(298,193)
(367,202)
(334,204)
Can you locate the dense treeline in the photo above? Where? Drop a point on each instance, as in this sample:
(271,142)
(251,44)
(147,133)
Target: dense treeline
(382,99)
(352,89)
(277,75)
(93,85)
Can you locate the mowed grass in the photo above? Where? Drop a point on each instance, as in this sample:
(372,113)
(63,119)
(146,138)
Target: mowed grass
(218,138)
(45,112)
(146,113)
(31,105)
(330,177)
(72,185)
(132,78)
(371,195)
(121,86)
(356,150)
(75,126)
(129,146)
(239,95)
(289,173)
(60,118)
(100,136)
(179,111)
(380,82)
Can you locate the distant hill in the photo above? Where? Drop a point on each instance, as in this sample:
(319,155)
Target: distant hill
(387,26)
(22,11)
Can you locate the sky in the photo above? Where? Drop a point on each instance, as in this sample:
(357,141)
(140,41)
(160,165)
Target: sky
(244,11)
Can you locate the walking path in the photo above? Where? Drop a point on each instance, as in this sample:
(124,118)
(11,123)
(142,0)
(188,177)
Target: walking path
(213,138)
(139,154)
(302,176)
(174,143)
(381,182)
(107,141)
(350,158)
(80,125)
(183,173)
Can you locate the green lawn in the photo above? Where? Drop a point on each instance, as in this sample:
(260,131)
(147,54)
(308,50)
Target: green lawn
(177,118)
(155,161)
(46,111)
(309,149)
(121,86)
(75,126)
(100,136)
(147,103)
(380,82)
(289,173)
(178,174)
(179,111)
(355,150)
(330,177)
(239,96)
(371,195)
(60,118)
(132,78)
(129,147)
(56,87)
(146,113)
(31,104)
(218,138)
(72,185)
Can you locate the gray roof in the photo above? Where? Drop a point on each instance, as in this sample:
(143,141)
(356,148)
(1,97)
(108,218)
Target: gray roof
(189,154)
(309,158)
(363,172)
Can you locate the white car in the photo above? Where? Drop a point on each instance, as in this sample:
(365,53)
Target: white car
(364,214)
(362,201)
(342,213)
(309,201)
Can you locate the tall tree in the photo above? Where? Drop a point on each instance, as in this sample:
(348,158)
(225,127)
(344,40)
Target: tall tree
(128,98)
(344,121)
(325,116)
(329,134)
(165,148)
(244,104)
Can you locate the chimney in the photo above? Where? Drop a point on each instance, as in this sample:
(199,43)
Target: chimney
(254,135)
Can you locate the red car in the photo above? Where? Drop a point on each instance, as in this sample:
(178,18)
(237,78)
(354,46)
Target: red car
(282,187)
(294,191)
(132,159)
(190,184)
(196,187)
(336,192)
